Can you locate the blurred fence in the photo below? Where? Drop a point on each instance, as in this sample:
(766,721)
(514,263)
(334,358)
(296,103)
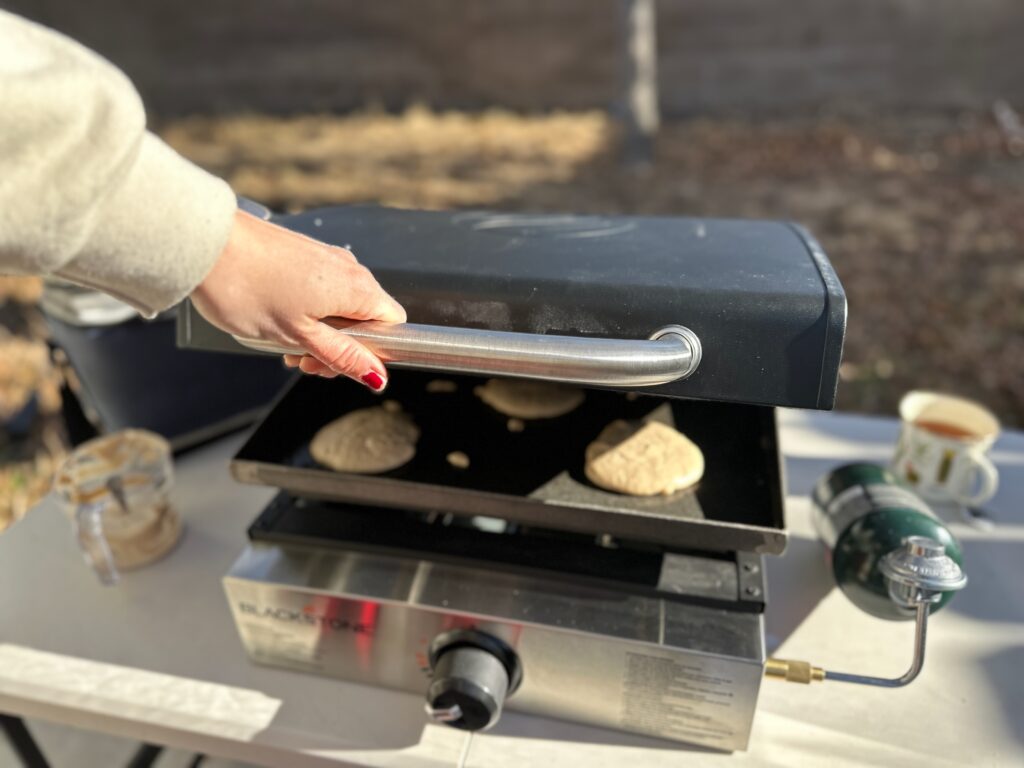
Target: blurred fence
(714,55)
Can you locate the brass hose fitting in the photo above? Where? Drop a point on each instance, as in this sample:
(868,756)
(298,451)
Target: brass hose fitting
(794,671)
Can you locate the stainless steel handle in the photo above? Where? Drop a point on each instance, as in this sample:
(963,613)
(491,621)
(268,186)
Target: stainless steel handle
(670,353)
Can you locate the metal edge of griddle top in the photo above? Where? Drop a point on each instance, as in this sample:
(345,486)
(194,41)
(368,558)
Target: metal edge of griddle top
(716,536)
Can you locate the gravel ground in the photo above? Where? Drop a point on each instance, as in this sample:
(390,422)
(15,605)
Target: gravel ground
(922,216)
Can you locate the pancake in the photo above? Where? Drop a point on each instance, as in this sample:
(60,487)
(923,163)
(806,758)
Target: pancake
(458,459)
(522,399)
(643,459)
(367,441)
(441,386)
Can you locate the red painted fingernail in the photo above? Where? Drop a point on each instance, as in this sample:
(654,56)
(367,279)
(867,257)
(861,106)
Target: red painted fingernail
(373,380)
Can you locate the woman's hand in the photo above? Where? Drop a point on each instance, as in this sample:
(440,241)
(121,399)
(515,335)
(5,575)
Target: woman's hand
(274,284)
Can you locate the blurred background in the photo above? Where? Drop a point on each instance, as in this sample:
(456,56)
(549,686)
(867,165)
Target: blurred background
(890,128)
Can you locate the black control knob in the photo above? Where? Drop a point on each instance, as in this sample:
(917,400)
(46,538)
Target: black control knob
(472,674)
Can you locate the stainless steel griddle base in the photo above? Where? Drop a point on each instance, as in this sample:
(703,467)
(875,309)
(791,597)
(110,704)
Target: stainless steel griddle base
(535,477)
(684,672)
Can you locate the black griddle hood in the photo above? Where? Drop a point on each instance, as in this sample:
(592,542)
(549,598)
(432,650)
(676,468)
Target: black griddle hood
(761,296)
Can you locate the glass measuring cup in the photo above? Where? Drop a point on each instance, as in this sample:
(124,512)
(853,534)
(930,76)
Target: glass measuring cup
(116,490)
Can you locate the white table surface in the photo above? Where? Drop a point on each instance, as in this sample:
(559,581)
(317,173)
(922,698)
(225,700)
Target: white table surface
(157,657)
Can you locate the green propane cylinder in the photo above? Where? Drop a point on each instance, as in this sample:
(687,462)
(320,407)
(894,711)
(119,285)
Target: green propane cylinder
(862,513)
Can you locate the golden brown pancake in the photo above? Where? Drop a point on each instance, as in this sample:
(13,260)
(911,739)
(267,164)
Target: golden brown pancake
(366,441)
(524,399)
(643,459)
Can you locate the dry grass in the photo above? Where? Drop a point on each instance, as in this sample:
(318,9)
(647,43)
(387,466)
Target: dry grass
(416,160)
(28,381)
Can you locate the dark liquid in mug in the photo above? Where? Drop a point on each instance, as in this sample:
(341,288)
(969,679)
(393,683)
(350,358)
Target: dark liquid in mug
(943,429)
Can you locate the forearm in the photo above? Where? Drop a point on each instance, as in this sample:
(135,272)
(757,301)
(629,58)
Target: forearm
(85,192)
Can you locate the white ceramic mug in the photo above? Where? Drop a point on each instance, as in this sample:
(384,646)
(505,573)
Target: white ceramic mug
(942,448)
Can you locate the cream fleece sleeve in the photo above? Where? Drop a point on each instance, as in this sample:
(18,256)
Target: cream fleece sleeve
(86,193)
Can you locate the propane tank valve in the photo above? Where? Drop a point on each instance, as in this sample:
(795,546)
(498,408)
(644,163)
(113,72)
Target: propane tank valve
(920,572)
(890,555)
(918,575)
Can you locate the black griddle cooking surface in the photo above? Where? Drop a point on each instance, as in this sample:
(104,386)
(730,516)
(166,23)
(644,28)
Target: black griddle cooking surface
(534,477)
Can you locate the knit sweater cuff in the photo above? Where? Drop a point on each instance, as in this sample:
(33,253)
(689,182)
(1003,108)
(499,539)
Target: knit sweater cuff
(159,234)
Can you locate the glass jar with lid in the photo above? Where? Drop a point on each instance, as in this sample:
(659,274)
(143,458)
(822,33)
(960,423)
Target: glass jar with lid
(116,490)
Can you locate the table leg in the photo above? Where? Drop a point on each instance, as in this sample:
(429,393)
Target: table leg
(22,742)
(145,757)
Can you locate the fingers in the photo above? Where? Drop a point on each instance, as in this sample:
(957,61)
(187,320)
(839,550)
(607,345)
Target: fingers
(360,297)
(310,365)
(314,367)
(390,310)
(338,353)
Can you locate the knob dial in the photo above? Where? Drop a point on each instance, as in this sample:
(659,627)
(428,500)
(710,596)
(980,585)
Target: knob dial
(472,674)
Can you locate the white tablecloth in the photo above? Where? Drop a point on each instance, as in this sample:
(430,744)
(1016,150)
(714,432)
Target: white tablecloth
(157,657)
